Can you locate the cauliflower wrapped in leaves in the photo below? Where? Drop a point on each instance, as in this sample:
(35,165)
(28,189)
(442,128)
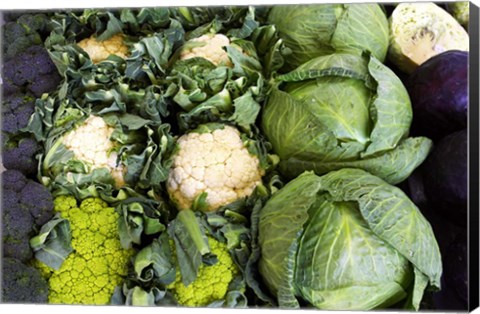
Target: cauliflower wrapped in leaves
(100,50)
(212,161)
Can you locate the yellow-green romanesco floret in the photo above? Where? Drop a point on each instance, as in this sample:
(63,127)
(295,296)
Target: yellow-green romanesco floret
(98,262)
(212,281)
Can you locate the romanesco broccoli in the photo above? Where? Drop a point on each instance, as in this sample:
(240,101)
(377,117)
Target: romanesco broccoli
(212,282)
(98,263)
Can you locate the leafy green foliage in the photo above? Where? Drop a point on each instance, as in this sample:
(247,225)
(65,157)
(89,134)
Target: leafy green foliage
(342,111)
(359,241)
(322,29)
(52,244)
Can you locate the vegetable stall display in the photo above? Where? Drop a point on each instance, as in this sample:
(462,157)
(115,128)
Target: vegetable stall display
(234,156)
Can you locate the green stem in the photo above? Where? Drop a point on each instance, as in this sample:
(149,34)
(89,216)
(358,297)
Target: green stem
(187,217)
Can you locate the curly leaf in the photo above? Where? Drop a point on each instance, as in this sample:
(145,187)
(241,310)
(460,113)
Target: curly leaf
(191,244)
(392,216)
(155,262)
(52,245)
(139,216)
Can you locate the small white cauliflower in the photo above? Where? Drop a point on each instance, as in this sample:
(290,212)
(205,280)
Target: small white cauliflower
(212,49)
(90,142)
(101,50)
(216,163)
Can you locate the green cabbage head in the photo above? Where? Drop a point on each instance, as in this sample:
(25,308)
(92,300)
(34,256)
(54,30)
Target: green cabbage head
(346,241)
(343,111)
(320,29)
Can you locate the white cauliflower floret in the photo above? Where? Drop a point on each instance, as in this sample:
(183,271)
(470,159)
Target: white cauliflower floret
(217,163)
(91,143)
(212,50)
(101,50)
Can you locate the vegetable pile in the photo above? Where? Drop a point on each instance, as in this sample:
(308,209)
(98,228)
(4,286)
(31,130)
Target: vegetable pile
(280,157)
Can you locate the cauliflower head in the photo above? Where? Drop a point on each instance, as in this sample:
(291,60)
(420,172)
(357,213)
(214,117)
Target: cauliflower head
(210,47)
(90,142)
(98,262)
(101,50)
(215,162)
(212,281)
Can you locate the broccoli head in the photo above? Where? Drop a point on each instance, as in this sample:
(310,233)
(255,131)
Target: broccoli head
(26,205)
(31,71)
(19,149)
(24,30)
(22,283)
(25,77)
(16,111)
(19,154)
(98,262)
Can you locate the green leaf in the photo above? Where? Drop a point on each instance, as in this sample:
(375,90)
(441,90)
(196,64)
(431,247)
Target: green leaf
(252,275)
(341,111)
(418,289)
(391,215)
(191,244)
(52,245)
(391,110)
(156,258)
(347,240)
(292,21)
(322,29)
(356,269)
(132,122)
(244,65)
(393,166)
(139,216)
(295,132)
(362,20)
(233,233)
(114,26)
(248,26)
(246,111)
(281,220)
(41,121)
(140,297)
(337,65)
(286,291)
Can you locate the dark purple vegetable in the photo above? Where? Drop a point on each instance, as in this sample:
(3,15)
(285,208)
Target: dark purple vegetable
(22,30)
(454,293)
(31,71)
(26,206)
(22,283)
(25,76)
(456,267)
(439,93)
(19,154)
(445,177)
